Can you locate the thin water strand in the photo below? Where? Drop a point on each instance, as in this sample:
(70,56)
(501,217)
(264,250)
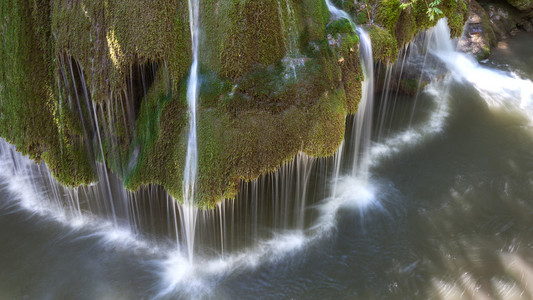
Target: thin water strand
(339,14)
(363,118)
(189,211)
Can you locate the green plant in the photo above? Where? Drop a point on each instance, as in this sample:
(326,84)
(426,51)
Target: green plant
(432,7)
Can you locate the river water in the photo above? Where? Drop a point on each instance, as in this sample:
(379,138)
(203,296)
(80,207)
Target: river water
(446,214)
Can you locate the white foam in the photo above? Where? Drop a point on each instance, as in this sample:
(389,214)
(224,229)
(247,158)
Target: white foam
(179,274)
(19,173)
(502,90)
(415,135)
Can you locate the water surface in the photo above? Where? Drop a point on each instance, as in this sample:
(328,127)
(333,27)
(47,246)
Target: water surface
(446,214)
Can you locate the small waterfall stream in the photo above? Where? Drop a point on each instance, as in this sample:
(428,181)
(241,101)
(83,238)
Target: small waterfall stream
(363,119)
(353,186)
(499,89)
(191,160)
(293,58)
(338,13)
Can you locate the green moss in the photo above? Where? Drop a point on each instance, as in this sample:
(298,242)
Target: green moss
(411,86)
(108,37)
(340,26)
(406,28)
(420,12)
(404,23)
(327,129)
(457,13)
(213,89)
(109,40)
(352,76)
(31,117)
(349,6)
(384,45)
(361,18)
(253,115)
(158,148)
(241,91)
(252,34)
(25,81)
(388,13)
(315,14)
(343,37)
(265,120)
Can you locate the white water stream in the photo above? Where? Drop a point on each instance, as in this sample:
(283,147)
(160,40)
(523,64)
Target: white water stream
(191,160)
(499,89)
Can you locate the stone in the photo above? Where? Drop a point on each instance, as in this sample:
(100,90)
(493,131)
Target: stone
(478,36)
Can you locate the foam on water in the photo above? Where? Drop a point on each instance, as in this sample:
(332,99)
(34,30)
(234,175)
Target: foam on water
(415,135)
(353,193)
(179,274)
(502,90)
(19,174)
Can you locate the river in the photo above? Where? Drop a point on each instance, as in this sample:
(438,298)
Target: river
(446,214)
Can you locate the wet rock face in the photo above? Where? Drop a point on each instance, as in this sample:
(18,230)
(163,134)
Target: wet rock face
(523,5)
(478,35)
(507,20)
(491,21)
(502,20)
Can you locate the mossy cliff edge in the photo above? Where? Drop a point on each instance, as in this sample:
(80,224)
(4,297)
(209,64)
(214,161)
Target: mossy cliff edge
(105,81)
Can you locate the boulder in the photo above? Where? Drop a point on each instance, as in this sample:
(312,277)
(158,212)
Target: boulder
(478,36)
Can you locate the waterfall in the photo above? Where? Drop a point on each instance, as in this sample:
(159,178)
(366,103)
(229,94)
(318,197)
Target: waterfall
(499,89)
(338,13)
(353,189)
(191,160)
(293,59)
(363,118)
(417,65)
(362,129)
(137,224)
(270,219)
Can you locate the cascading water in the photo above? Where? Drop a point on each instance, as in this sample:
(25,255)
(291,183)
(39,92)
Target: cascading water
(293,58)
(353,188)
(191,160)
(339,13)
(498,88)
(277,239)
(363,119)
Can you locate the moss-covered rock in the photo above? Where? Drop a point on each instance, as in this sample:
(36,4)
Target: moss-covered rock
(402,20)
(523,5)
(106,81)
(506,19)
(457,13)
(240,34)
(479,36)
(37,123)
(384,45)
(388,13)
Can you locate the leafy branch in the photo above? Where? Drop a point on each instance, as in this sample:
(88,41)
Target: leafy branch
(432,7)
